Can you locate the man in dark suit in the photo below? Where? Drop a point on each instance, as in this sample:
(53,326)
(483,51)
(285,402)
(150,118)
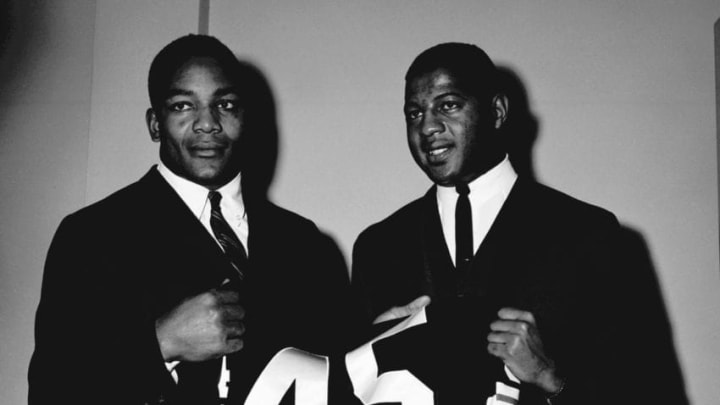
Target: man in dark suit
(509,272)
(183,287)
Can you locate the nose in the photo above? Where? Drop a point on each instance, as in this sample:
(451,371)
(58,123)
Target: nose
(207,120)
(431,125)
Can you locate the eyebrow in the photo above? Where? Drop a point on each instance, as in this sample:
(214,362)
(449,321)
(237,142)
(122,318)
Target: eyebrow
(226,90)
(438,97)
(174,91)
(449,93)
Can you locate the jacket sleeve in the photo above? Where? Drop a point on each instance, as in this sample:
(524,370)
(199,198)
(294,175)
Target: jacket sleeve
(95,340)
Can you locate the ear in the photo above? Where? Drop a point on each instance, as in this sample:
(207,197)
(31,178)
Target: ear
(153,125)
(500,107)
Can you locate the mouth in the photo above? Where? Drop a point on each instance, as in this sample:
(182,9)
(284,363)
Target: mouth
(437,154)
(207,151)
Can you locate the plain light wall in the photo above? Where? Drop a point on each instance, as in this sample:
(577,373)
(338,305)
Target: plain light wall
(623,93)
(128,36)
(45,66)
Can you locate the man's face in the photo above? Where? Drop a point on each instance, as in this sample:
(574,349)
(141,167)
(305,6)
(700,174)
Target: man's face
(450,134)
(199,124)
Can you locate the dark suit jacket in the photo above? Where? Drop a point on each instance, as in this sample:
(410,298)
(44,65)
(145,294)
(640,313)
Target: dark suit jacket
(546,252)
(114,267)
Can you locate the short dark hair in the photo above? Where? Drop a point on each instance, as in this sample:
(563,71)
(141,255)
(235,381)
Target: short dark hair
(178,52)
(470,65)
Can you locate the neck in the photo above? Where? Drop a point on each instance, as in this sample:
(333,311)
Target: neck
(488,164)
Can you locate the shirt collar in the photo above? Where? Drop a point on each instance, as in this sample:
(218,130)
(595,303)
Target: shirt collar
(498,179)
(195,196)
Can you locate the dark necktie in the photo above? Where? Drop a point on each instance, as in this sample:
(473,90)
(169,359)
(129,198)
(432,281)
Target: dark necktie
(229,241)
(198,382)
(463,229)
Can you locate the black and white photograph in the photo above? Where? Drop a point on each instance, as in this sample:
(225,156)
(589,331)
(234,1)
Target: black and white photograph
(359,202)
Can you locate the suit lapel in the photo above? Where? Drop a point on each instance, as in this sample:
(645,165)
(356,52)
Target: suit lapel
(260,238)
(439,271)
(189,259)
(498,265)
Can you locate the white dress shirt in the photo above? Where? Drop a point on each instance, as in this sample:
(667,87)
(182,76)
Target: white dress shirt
(195,197)
(487,195)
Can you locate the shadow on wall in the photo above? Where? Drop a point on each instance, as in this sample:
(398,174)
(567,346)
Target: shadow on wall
(260,144)
(22,29)
(633,292)
(260,141)
(646,339)
(521,128)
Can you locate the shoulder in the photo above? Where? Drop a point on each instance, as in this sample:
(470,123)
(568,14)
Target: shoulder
(409,213)
(271,225)
(544,212)
(557,204)
(268,212)
(123,204)
(84,236)
(405,221)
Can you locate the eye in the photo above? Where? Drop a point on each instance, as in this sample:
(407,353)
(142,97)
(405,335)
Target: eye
(180,106)
(450,106)
(227,105)
(412,114)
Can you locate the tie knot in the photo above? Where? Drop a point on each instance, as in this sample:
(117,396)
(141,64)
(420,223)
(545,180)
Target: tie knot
(462,189)
(215,198)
